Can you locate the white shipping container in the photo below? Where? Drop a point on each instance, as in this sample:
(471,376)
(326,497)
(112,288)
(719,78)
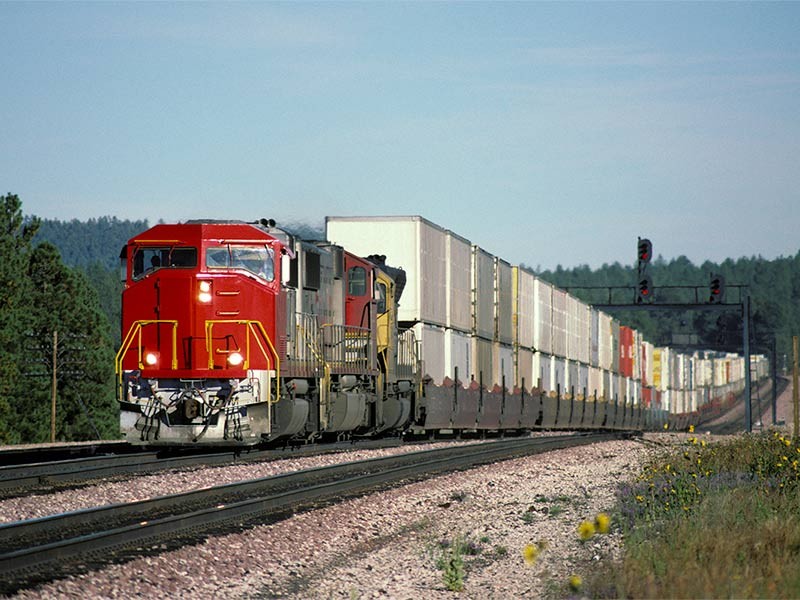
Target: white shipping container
(581,386)
(483,361)
(584,332)
(595,386)
(543,316)
(647,363)
(578,329)
(524,372)
(707,373)
(719,372)
(459,282)
(676,371)
(430,341)
(571,379)
(558,375)
(637,355)
(605,342)
(542,372)
(503,302)
(458,353)
(594,343)
(559,319)
(525,307)
(503,359)
(409,242)
(482,293)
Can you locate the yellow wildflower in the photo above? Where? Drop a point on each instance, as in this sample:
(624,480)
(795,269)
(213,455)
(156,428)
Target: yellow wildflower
(602,523)
(530,553)
(575,583)
(639,498)
(693,440)
(586,530)
(666,425)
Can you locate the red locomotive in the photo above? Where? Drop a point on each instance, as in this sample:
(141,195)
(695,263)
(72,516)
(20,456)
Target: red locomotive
(238,333)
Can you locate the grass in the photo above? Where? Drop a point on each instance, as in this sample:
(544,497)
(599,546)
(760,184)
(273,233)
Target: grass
(710,521)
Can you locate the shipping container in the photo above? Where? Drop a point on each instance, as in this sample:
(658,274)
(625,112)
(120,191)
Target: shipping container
(524,373)
(483,362)
(483,297)
(503,362)
(458,354)
(594,343)
(431,348)
(646,363)
(626,351)
(578,330)
(582,384)
(571,379)
(636,356)
(408,242)
(595,387)
(615,346)
(542,316)
(605,342)
(503,302)
(559,321)
(524,306)
(542,372)
(459,282)
(558,376)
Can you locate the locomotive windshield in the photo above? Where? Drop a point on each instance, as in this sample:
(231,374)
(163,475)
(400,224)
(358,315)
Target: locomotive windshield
(150,258)
(258,260)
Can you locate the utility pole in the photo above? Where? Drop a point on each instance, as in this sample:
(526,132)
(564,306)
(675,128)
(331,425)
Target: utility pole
(748,412)
(53,395)
(795,391)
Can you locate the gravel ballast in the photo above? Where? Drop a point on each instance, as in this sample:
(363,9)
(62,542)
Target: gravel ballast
(387,544)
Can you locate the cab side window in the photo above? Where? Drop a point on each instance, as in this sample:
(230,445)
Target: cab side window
(357,281)
(380,297)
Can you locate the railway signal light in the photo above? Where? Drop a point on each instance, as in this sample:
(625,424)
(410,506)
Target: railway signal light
(716,289)
(644,290)
(645,249)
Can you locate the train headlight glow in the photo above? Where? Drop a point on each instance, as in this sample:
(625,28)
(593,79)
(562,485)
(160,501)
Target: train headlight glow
(205,292)
(235,359)
(151,359)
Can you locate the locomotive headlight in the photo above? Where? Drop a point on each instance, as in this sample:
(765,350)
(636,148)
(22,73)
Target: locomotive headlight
(205,292)
(235,359)
(151,359)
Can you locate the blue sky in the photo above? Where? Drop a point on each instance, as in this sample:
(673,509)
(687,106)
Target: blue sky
(547,133)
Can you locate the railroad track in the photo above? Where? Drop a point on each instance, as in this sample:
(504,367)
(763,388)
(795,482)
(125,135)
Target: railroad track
(46,548)
(66,472)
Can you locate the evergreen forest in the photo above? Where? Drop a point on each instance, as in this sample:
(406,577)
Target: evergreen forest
(60,303)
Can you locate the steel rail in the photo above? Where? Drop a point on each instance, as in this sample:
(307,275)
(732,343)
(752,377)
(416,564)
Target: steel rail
(39,549)
(49,453)
(18,479)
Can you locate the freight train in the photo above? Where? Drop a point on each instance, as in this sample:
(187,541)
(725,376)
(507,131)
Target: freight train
(239,334)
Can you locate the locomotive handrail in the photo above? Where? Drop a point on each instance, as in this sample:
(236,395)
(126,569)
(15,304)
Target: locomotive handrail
(136,328)
(340,338)
(256,327)
(326,371)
